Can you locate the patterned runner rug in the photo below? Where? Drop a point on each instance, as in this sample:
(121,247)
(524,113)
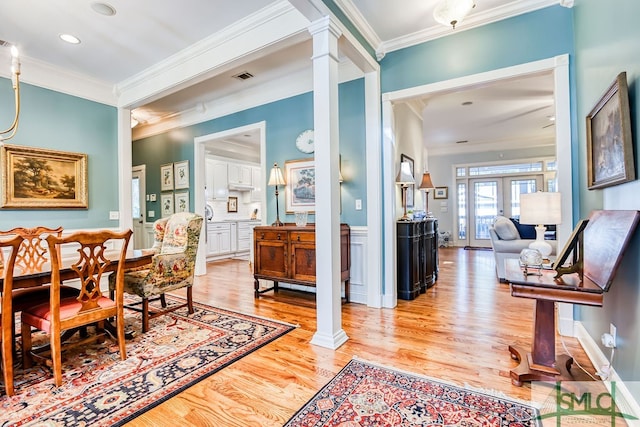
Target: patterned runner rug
(101,390)
(363,394)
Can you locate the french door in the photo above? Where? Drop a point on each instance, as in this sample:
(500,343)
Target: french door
(490,197)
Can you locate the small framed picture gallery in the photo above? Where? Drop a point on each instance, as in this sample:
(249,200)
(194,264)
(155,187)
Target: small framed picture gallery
(166,204)
(181,172)
(166,177)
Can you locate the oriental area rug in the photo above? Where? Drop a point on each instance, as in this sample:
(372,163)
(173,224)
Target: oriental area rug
(364,394)
(99,389)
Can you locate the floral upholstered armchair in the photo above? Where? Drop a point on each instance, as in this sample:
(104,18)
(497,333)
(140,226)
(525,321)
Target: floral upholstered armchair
(172,267)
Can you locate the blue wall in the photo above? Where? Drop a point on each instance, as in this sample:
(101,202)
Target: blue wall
(608,42)
(57,121)
(533,36)
(285,120)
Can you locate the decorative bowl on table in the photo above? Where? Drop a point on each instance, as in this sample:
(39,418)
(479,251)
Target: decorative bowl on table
(531,258)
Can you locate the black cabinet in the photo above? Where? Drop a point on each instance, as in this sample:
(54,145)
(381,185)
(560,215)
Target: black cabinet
(417,263)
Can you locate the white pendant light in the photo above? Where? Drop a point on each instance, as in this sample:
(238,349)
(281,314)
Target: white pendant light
(452,12)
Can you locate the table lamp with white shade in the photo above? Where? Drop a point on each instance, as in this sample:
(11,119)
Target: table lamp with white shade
(275,180)
(538,209)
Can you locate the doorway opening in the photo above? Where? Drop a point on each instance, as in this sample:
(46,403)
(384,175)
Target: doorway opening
(138,203)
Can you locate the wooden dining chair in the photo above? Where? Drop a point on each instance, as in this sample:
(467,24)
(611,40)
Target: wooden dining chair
(33,257)
(6,318)
(91,267)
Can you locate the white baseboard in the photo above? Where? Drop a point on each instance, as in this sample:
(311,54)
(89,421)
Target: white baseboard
(625,399)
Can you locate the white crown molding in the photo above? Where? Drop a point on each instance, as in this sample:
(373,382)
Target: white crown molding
(45,75)
(284,87)
(209,57)
(474,20)
(359,21)
(483,146)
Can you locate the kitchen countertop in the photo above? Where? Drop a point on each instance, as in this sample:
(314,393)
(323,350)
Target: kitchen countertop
(211,221)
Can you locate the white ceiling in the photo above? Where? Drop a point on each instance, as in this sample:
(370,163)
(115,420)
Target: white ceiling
(142,33)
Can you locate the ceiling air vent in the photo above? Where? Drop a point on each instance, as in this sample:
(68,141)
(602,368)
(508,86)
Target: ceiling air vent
(245,75)
(4,43)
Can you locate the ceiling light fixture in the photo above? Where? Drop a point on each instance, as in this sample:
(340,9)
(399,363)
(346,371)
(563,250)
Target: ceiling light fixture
(15,82)
(70,38)
(452,12)
(103,8)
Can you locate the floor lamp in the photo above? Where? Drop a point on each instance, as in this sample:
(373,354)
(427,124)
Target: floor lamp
(426,185)
(275,180)
(405,178)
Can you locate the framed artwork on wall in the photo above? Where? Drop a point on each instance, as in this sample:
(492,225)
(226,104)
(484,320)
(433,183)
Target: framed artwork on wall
(181,174)
(36,178)
(410,187)
(166,204)
(166,177)
(232,204)
(441,193)
(300,191)
(181,201)
(609,145)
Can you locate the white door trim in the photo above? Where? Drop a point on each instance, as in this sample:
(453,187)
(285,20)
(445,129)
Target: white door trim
(199,179)
(559,65)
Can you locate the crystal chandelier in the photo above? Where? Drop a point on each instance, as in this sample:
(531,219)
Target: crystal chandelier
(15,82)
(452,12)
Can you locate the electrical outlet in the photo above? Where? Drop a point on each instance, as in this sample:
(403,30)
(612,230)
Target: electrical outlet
(358,204)
(151,214)
(608,341)
(114,215)
(613,331)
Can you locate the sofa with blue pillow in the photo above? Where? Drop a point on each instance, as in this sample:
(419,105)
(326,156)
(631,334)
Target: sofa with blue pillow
(509,238)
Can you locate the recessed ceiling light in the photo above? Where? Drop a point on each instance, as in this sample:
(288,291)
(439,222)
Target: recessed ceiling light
(103,9)
(70,38)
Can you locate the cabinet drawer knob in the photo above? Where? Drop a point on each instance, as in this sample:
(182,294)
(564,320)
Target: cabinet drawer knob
(278,236)
(298,237)
(262,235)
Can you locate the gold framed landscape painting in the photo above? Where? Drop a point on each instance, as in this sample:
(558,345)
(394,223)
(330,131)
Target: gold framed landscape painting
(36,178)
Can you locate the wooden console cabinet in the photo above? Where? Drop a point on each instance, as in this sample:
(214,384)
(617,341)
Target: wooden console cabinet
(288,254)
(417,262)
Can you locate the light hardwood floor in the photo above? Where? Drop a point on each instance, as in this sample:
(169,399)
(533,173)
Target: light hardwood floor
(458,331)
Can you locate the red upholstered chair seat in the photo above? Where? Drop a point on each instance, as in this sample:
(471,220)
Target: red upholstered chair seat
(40,315)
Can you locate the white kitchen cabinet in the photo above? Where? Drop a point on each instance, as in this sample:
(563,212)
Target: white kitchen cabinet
(217,181)
(245,233)
(257,184)
(239,174)
(218,239)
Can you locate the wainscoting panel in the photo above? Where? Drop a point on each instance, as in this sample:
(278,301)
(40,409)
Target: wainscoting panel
(358,272)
